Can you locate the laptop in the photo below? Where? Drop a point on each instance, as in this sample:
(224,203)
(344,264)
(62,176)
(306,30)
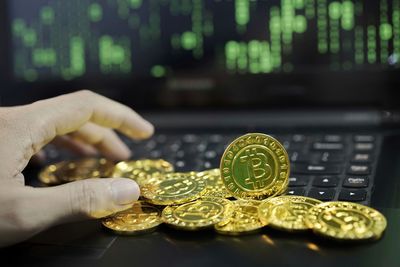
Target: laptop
(319,75)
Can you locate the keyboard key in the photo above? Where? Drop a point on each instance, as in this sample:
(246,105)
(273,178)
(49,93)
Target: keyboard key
(299,157)
(364,138)
(361,158)
(155,154)
(190,138)
(208,165)
(327,146)
(316,169)
(322,194)
(299,138)
(215,138)
(356,181)
(332,138)
(298,180)
(331,157)
(296,191)
(353,195)
(325,181)
(210,154)
(359,169)
(364,146)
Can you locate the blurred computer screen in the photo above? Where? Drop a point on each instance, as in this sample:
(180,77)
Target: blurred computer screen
(66,40)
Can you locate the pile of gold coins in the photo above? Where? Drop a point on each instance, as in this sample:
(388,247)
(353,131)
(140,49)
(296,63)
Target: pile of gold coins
(244,195)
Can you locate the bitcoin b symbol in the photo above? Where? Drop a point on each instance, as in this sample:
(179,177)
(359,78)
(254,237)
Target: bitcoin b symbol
(198,210)
(259,171)
(177,188)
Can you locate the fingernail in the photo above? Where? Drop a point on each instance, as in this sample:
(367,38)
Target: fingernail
(125,191)
(124,152)
(147,129)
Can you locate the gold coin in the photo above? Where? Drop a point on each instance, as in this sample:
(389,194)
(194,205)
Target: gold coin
(199,214)
(286,212)
(142,170)
(174,188)
(140,218)
(243,220)
(215,186)
(346,221)
(74,170)
(47,176)
(255,166)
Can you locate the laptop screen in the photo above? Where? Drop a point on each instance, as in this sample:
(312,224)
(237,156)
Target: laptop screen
(57,40)
(75,38)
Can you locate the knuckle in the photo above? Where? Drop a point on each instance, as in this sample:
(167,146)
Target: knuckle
(83,198)
(86,93)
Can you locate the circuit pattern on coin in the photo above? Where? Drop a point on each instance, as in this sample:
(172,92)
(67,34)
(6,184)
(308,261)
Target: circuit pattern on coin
(286,212)
(174,188)
(142,170)
(256,166)
(215,186)
(199,214)
(140,218)
(74,170)
(243,220)
(346,221)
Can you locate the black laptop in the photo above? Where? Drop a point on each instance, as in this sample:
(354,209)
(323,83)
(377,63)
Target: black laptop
(319,75)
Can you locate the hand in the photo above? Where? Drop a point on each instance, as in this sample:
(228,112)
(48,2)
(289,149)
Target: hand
(24,130)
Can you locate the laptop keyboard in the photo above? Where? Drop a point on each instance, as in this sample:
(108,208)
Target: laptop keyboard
(326,167)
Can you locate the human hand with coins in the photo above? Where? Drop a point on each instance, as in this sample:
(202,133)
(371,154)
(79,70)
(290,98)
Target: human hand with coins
(84,121)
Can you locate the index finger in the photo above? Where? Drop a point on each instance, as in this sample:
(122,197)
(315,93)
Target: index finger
(67,113)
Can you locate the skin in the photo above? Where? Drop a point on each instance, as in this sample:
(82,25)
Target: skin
(83,121)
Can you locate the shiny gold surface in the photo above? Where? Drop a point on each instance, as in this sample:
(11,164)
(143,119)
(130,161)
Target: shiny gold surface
(255,166)
(243,220)
(346,221)
(286,212)
(74,170)
(215,186)
(174,188)
(199,214)
(141,218)
(142,170)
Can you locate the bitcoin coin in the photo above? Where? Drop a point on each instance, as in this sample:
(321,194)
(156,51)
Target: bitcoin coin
(174,188)
(140,218)
(142,170)
(255,166)
(69,171)
(215,186)
(199,214)
(243,220)
(286,212)
(346,221)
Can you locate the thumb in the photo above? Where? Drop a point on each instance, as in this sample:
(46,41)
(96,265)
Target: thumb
(26,211)
(92,198)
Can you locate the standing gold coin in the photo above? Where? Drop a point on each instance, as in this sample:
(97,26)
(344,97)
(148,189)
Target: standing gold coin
(243,220)
(256,166)
(141,218)
(174,188)
(346,221)
(199,214)
(215,186)
(69,171)
(142,170)
(286,212)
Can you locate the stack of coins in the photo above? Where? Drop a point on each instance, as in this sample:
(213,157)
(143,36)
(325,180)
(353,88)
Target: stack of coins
(74,170)
(244,195)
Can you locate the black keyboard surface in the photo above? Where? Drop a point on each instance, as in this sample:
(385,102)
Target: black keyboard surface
(323,166)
